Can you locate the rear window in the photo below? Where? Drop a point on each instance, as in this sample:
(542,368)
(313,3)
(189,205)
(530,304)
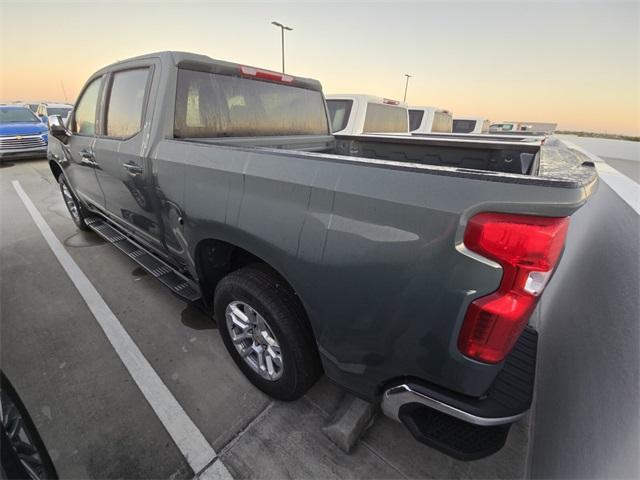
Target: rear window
(415,119)
(464,126)
(442,122)
(385,119)
(339,112)
(210,105)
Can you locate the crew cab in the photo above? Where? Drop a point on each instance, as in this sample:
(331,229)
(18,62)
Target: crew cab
(404,268)
(22,134)
(470,125)
(430,120)
(355,114)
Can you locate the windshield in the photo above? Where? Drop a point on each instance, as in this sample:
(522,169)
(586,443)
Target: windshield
(17,115)
(63,112)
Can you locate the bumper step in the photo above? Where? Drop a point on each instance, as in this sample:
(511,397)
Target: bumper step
(454,437)
(464,427)
(177,283)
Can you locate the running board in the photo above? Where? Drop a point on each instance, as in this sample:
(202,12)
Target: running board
(177,283)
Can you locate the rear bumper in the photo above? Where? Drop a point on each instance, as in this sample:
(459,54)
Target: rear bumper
(467,427)
(395,398)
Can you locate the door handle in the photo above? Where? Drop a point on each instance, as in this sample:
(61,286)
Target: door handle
(133,169)
(87,158)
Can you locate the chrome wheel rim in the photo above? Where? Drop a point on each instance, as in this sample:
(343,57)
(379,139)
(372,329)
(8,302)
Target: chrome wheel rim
(70,201)
(20,438)
(254,340)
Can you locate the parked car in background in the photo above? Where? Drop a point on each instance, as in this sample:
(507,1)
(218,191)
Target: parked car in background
(508,127)
(22,134)
(471,125)
(45,110)
(404,267)
(430,119)
(356,114)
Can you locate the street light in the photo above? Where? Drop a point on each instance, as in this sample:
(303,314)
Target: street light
(282,29)
(406,85)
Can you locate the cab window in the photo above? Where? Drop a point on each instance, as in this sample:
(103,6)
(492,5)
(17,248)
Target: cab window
(84,121)
(126,102)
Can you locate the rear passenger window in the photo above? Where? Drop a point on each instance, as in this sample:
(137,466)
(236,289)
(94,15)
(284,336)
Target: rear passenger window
(385,119)
(126,101)
(415,119)
(464,126)
(84,118)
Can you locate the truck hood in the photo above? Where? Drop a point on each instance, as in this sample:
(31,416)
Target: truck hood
(23,128)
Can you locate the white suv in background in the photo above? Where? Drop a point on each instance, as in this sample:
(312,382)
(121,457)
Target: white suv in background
(357,114)
(45,110)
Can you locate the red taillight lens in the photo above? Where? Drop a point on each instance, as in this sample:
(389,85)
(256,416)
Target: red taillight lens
(528,249)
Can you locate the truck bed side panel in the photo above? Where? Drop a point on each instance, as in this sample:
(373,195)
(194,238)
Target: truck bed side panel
(372,251)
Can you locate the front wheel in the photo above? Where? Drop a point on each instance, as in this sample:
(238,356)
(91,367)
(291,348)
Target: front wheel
(73,205)
(263,326)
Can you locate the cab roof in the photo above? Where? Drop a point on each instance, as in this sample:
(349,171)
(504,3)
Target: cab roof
(195,61)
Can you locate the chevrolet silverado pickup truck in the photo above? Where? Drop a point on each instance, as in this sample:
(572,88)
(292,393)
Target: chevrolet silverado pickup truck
(404,268)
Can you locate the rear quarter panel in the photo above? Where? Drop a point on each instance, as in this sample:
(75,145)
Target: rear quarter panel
(373,250)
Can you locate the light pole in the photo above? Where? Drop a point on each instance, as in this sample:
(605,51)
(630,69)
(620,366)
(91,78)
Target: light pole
(406,86)
(282,29)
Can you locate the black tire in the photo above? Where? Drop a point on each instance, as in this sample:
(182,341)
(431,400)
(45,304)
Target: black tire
(79,215)
(270,297)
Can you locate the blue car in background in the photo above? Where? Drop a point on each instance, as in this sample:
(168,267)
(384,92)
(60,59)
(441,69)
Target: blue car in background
(22,134)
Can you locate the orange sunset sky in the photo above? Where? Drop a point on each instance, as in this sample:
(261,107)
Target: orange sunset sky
(572,62)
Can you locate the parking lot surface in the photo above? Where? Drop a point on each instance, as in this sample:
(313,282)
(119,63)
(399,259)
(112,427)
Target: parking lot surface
(94,419)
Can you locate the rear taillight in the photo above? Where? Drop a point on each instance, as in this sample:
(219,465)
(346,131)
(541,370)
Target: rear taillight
(528,249)
(265,74)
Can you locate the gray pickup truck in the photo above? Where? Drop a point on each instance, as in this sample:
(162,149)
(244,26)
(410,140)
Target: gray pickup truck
(405,268)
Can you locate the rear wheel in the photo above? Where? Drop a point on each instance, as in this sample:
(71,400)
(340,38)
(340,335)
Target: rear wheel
(73,205)
(263,326)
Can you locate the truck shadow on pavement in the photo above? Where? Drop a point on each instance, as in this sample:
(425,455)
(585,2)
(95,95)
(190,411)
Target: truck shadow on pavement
(193,316)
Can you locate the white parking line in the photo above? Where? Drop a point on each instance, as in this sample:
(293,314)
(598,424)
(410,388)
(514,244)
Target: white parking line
(201,457)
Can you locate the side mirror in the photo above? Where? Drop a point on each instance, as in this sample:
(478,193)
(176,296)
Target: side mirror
(57,128)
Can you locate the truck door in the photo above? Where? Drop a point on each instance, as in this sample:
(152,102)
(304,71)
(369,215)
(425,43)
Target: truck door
(79,151)
(125,172)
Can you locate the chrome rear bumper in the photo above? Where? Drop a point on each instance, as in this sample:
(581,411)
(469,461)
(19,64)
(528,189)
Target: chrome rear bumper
(394,398)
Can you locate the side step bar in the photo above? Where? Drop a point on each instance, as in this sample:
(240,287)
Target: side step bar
(177,283)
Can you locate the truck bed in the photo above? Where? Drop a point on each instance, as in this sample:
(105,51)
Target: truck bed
(534,161)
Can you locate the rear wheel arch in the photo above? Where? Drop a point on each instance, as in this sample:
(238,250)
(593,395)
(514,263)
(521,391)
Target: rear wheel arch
(215,259)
